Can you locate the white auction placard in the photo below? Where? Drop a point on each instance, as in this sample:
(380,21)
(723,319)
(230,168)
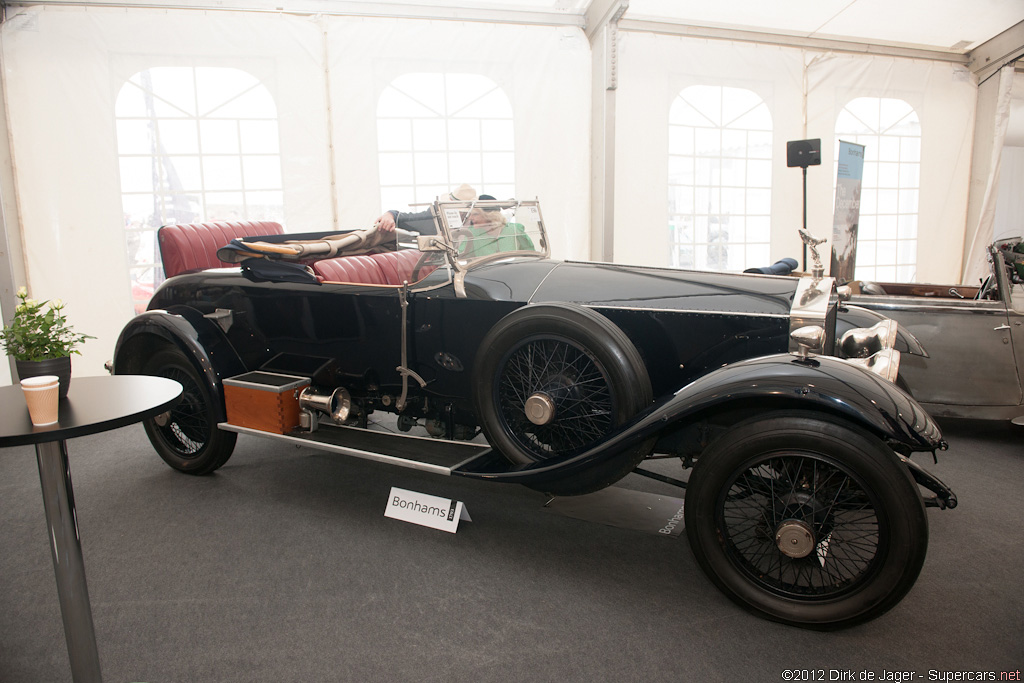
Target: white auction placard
(426,510)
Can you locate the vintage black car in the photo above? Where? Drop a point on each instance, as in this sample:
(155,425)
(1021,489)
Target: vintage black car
(802,503)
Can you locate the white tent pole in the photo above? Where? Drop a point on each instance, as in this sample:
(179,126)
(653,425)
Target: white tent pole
(786,40)
(602,30)
(330,125)
(7,298)
(336,8)
(993,54)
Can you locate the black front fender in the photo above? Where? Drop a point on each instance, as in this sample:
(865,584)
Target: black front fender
(199,338)
(822,383)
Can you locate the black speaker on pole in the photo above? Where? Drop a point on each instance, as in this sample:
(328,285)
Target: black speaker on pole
(804,153)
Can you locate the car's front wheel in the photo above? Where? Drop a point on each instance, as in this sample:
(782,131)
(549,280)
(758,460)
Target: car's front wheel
(551,381)
(186,436)
(806,520)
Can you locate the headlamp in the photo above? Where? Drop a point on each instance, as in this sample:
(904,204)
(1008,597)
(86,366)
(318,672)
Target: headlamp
(861,342)
(872,348)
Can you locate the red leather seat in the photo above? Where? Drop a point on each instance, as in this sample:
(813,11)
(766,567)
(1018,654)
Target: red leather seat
(357,269)
(193,246)
(397,265)
(386,268)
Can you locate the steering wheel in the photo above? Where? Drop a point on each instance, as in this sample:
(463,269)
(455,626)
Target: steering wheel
(428,258)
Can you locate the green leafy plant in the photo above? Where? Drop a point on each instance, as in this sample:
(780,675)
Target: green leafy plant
(40,331)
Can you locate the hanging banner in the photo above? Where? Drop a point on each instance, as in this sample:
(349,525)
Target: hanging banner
(847,211)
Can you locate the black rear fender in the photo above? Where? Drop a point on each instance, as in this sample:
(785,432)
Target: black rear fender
(185,328)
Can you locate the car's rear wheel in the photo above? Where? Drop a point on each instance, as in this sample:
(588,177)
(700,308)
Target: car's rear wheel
(186,436)
(806,520)
(551,381)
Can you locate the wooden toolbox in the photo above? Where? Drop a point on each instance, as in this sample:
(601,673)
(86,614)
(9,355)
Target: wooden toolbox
(264,400)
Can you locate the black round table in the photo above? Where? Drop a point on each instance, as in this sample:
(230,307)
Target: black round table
(93,404)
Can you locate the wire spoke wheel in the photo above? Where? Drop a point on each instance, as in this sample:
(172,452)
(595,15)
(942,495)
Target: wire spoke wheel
(552,381)
(185,427)
(801,526)
(574,383)
(804,518)
(186,436)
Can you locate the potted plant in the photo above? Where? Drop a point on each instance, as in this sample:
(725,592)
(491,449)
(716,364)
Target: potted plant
(41,340)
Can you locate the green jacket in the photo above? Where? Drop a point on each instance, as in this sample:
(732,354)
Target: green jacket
(512,237)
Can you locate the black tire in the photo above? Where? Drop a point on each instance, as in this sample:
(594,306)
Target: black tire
(186,436)
(591,376)
(835,496)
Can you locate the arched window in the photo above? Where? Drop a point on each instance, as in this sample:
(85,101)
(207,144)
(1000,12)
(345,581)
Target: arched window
(436,131)
(890,131)
(719,179)
(194,144)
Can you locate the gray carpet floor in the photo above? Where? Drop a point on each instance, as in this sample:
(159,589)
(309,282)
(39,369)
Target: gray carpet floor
(282,567)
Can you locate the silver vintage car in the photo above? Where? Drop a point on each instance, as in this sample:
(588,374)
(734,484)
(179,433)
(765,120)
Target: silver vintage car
(973,337)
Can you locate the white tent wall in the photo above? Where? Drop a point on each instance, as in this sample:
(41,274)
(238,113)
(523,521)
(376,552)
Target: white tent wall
(655,68)
(544,71)
(1009,212)
(944,96)
(63,69)
(12,267)
(993,116)
(64,66)
(1009,216)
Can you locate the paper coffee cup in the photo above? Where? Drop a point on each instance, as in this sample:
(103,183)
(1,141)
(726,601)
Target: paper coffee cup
(41,395)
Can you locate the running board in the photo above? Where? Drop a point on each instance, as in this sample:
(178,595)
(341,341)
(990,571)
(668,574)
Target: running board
(436,456)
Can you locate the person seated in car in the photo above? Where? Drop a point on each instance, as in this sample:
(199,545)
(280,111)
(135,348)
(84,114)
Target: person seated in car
(489,232)
(421,221)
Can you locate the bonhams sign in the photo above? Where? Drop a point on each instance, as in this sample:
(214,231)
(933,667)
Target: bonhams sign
(420,508)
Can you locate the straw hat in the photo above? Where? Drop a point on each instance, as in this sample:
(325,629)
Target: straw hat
(463,193)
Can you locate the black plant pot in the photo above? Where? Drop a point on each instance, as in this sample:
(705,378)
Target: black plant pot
(51,366)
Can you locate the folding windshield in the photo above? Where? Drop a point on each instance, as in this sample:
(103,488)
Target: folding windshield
(488,230)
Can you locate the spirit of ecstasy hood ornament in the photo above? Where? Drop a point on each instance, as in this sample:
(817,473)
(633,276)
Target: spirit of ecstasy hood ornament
(812,242)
